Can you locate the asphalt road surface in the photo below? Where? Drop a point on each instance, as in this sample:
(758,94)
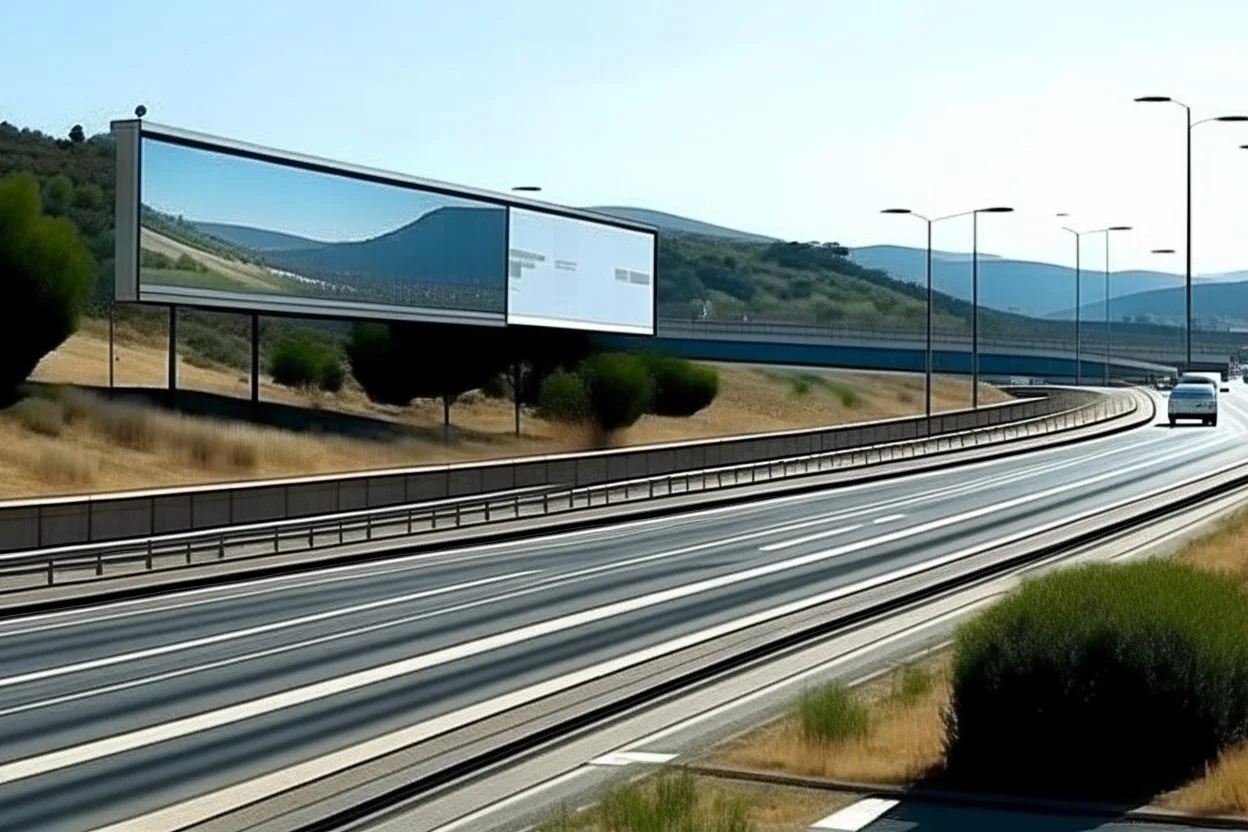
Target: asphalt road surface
(123,710)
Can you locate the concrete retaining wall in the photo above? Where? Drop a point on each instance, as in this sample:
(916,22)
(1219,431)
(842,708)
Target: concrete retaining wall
(27,524)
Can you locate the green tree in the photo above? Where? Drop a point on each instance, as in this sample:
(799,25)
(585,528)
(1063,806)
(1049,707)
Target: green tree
(681,388)
(186,263)
(301,362)
(617,390)
(46,272)
(563,398)
(58,195)
(76,134)
(396,363)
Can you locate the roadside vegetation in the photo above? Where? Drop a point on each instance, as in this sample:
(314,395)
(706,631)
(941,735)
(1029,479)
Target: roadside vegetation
(685,803)
(1111,681)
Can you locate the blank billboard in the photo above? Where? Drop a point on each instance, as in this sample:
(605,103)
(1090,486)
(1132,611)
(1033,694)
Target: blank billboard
(574,273)
(216,226)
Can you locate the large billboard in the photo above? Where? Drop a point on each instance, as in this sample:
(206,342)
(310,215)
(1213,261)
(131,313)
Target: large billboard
(208,222)
(566,272)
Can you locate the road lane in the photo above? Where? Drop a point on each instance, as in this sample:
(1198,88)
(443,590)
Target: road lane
(567,575)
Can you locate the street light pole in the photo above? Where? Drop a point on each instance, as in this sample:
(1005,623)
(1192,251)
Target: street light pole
(1078,301)
(975,291)
(974,310)
(1165,99)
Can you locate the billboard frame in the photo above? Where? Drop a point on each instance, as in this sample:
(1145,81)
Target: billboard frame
(128,289)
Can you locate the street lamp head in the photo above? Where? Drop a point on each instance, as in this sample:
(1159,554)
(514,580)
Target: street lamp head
(996,210)
(1231,118)
(1163,251)
(1153,99)
(527,188)
(896,211)
(1120,228)
(1061,214)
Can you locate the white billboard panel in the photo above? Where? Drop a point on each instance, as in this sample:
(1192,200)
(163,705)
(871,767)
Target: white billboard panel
(576,274)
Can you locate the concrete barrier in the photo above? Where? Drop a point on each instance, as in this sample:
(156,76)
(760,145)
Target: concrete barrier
(34,523)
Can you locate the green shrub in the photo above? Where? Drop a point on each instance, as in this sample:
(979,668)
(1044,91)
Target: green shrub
(47,273)
(302,363)
(681,388)
(801,385)
(563,398)
(667,804)
(1105,681)
(830,713)
(910,683)
(618,389)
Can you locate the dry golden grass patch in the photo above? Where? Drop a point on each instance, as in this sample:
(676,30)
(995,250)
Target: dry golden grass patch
(1223,790)
(904,742)
(1223,550)
(163,449)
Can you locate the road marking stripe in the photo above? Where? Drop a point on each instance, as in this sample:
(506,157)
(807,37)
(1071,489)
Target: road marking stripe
(233,635)
(854,817)
(892,518)
(120,743)
(797,541)
(628,758)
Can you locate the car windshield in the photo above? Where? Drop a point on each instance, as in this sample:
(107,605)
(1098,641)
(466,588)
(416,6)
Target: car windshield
(1192,391)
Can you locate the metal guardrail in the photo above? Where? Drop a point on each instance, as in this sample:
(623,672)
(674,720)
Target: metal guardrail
(62,521)
(183,549)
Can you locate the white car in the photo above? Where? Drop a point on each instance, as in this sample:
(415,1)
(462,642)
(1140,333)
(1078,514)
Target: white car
(1194,401)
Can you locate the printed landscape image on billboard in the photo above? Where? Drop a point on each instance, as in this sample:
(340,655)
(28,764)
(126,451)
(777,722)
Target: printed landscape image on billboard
(573,273)
(224,228)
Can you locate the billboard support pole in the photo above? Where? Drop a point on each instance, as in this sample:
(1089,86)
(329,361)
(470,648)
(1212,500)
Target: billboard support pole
(111,359)
(172,372)
(515,392)
(255,358)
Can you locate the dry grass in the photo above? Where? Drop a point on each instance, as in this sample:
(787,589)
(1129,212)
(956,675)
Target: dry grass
(1223,790)
(1223,550)
(904,742)
(162,449)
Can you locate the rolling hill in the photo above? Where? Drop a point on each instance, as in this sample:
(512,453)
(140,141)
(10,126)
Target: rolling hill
(681,225)
(257,239)
(1215,303)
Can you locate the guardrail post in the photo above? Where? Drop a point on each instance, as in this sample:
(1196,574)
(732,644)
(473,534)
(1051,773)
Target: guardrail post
(517,504)
(276,539)
(368,527)
(340,533)
(487,509)
(312,537)
(149,554)
(99,563)
(50,573)
(188,551)
(546,501)
(221,547)
(433,524)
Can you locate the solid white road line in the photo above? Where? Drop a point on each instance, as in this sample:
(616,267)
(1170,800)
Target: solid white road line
(856,816)
(798,541)
(136,655)
(892,518)
(629,758)
(97,749)
(363,571)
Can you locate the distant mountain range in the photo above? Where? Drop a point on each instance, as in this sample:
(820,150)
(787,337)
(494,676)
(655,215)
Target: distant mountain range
(683,225)
(1225,302)
(1020,286)
(452,245)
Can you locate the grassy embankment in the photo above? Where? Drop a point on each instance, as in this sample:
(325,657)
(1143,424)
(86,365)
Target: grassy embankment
(84,452)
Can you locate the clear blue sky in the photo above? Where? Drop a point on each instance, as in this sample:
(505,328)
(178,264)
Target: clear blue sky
(798,118)
(215,187)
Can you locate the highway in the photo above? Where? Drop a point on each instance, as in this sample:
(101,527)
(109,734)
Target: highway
(154,710)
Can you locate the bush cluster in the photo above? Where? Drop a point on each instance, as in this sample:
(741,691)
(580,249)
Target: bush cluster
(613,390)
(1102,681)
(299,362)
(830,713)
(681,388)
